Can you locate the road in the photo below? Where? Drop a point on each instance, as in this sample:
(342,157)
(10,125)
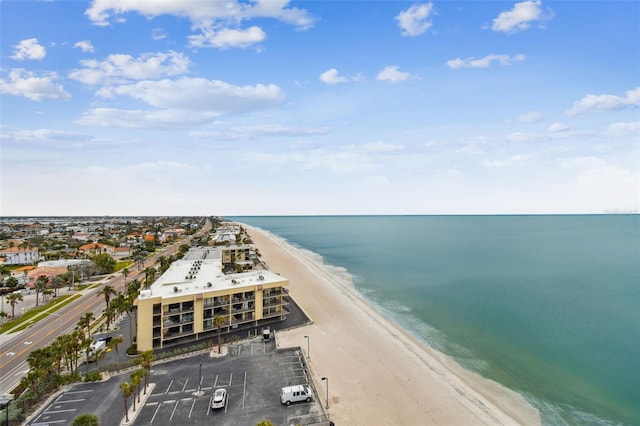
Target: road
(14,352)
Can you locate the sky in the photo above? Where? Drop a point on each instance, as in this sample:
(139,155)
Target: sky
(276,107)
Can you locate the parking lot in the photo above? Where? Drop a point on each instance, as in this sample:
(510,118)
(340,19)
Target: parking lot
(253,373)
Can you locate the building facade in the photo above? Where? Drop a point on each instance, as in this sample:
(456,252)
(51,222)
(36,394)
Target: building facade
(20,256)
(183,304)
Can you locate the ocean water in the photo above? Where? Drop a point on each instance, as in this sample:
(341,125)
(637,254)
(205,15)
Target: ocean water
(547,305)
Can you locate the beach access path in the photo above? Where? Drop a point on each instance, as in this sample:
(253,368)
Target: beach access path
(377,373)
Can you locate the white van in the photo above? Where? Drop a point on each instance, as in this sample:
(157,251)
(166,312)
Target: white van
(296,393)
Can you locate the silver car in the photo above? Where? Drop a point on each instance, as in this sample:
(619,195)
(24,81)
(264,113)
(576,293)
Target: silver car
(219,398)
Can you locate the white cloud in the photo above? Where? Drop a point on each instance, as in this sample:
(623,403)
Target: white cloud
(558,127)
(186,101)
(26,83)
(606,102)
(119,67)
(158,34)
(251,132)
(202,94)
(331,77)
(347,159)
(29,49)
(415,20)
(530,117)
(392,73)
(226,38)
(217,21)
(520,17)
(41,135)
(514,160)
(624,129)
(484,62)
(85,46)
(145,119)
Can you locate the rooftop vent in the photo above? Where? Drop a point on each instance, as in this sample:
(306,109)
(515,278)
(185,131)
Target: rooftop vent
(209,284)
(175,289)
(261,277)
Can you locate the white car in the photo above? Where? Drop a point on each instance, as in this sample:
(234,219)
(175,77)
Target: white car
(219,399)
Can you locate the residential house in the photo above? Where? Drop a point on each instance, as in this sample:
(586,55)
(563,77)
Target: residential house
(93,249)
(47,271)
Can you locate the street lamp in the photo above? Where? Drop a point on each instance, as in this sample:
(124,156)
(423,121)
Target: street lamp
(308,353)
(326,379)
(199,391)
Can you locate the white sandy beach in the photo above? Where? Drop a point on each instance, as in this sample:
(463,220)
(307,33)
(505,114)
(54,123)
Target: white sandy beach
(378,374)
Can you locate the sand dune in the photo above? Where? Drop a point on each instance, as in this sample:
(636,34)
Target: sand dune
(378,374)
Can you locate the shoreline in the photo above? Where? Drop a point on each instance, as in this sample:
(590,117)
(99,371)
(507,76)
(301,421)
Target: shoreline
(379,373)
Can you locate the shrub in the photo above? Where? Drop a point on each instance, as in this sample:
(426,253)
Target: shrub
(92,376)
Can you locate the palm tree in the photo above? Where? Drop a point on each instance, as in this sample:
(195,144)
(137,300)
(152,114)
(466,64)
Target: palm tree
(40,285)
(57,282)
(127,391)
(85,322)
(125,272)
(149,277)
(3,316)
(136,379)
(13,299)
(124,304)
(219,321)
(97,355)
(113,344)
(107,291)
(145,360)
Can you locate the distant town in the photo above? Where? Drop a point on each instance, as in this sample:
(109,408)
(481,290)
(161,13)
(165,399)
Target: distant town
(69,251)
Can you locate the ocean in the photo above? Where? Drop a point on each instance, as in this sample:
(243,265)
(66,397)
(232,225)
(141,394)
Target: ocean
(549,306)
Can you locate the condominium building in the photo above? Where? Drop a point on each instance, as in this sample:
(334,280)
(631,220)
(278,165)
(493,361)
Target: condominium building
(19,256)
(182,303)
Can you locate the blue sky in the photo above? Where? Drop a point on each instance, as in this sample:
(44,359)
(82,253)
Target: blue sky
(123,107)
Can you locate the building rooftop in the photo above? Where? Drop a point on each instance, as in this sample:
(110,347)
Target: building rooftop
(201,271)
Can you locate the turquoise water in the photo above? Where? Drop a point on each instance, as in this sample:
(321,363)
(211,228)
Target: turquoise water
(546,305)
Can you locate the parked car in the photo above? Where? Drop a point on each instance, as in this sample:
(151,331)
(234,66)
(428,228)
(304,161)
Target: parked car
(219,399)
(296,393)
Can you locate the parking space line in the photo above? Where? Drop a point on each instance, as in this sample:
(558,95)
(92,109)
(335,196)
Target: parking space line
(70,400)
(156,412)
(185,384)
(209,406)
(81,391)
(192,405)
(60,411)
(215,382)
(244,388)
(174,410)
(48,423)
(230,378)
(168,387)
